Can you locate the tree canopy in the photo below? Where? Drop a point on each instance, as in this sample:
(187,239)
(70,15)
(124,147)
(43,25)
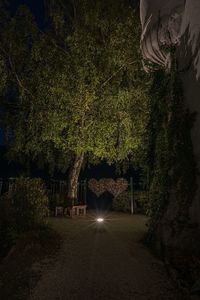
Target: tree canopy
(79,83)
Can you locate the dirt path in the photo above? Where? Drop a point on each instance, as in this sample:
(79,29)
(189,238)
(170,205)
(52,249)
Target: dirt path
(95,264)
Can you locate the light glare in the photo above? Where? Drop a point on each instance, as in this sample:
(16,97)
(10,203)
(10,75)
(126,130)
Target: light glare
(100,220)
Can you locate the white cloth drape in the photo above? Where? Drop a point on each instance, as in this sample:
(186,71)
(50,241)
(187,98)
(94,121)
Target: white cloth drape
(164,22)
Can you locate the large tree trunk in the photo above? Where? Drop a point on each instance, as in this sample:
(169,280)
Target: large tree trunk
(73,178)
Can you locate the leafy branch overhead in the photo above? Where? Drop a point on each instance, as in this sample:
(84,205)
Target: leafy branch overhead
(81,88)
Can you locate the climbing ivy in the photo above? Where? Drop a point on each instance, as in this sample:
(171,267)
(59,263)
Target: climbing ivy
(170,159)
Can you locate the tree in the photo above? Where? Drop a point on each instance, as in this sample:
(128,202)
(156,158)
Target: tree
(84,94)
(107,104)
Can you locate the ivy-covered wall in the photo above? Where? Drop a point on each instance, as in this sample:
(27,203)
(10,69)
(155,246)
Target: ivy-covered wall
(171,162)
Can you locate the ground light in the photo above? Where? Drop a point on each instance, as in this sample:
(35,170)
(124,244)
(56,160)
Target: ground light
(100,220)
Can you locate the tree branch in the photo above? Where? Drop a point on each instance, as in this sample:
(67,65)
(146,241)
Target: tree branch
(17,77)
(114,74)
(53,42)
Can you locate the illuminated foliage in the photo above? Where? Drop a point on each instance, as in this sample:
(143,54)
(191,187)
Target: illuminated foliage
(80,87)
(90,77)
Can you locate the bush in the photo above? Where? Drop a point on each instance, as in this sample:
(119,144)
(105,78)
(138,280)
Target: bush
(23,209)
(57,200)
(141,201)
(26,205)
(30,203)
(8,233)
(122,202)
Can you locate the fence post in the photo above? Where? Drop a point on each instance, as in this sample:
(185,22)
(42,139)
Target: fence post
(78,190)
(85,191)
(10,184)
(148,183)
(132,196)
(60,188)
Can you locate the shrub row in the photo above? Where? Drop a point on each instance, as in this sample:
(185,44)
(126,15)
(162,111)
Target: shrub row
(123,201)
(23,209)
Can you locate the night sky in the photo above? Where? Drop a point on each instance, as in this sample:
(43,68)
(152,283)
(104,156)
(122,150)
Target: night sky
(1,137)
(36,6)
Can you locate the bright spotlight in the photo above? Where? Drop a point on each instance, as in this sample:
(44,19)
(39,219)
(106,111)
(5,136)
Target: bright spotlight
(100,220)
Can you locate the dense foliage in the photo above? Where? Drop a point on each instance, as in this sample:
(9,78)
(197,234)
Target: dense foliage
(79,83)
(23,209)
(76,90)
(28,203)
(171,160)
(122,202)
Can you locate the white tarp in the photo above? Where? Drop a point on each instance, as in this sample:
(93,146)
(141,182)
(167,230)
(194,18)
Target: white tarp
(164,22)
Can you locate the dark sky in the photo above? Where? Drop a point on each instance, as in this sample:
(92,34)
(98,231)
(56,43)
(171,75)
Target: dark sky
(36,6)
(1,137)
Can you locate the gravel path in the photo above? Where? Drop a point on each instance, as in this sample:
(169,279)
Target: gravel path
(103,263)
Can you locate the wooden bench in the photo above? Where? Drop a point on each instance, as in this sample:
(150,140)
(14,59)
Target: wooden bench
(59,210)
(78,210)
(74,210)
